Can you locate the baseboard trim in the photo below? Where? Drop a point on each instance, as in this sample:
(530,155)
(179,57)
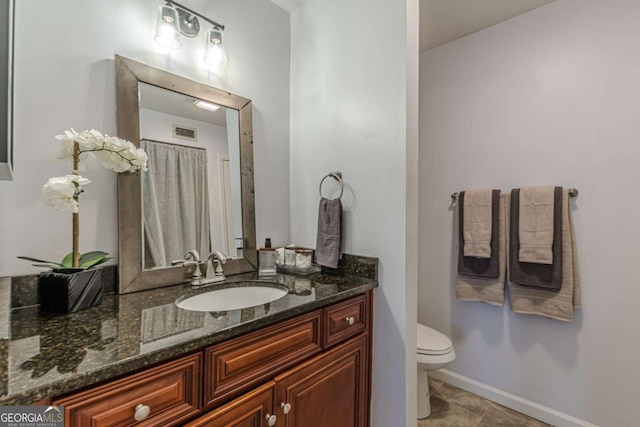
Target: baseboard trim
(527,407)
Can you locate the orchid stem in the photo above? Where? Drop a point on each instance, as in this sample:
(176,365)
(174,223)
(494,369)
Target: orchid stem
(76,216)
(110,151)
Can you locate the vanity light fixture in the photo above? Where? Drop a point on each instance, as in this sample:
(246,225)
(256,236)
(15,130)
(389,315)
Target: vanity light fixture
(205,105)
(175,19)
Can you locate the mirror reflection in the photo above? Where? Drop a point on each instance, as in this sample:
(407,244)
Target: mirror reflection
(191,194)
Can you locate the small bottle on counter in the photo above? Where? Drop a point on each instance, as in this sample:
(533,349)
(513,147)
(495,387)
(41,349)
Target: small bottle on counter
(267,260)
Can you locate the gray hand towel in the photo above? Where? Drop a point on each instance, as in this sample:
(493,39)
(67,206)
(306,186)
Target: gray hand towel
(547,276)
(489,290)
(329,240)
(474,266)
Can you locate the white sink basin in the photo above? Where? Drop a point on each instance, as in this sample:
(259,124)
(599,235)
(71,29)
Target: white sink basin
(249,294)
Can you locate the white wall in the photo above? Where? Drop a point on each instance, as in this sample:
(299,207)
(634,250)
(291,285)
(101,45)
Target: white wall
(349,113)
(64,77)
(550,97)
(412,205)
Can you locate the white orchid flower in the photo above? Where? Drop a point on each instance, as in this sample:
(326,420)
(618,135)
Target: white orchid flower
(141,159)
(111,152)
(62,192)
(114,153)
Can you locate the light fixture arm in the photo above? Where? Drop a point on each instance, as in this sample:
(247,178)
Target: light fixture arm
(193,12)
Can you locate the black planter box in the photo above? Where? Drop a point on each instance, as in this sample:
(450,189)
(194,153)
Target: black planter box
(62,292)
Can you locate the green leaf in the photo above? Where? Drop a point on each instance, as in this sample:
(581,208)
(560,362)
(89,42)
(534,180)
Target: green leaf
(94,262)
(51,266)
(39,260)
(102,261)
(87,260)
(67,261)
(92,258)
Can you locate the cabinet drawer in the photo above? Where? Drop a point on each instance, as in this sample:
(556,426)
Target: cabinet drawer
(344,320)
(241,363)
(171,391)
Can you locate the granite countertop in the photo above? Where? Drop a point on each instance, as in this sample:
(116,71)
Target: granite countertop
(49,355)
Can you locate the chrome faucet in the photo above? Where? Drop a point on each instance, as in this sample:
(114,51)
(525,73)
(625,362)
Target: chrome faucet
(192,257)
(214,272)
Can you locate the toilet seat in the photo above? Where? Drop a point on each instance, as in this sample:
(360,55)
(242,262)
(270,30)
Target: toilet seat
(432,342)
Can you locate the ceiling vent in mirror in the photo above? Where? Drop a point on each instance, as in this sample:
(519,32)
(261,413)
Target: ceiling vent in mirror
(183,132)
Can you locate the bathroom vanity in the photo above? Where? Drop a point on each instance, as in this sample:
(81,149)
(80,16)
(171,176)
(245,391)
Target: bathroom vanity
(271,370)
(298,361)
(303,359)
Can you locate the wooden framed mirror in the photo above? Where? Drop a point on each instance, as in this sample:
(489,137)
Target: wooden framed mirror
(145,93)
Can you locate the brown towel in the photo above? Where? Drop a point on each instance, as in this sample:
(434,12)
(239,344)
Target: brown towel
(474,266)
(555,305)
(329,240)
(477,223)
(484,289)
(548,276)
(536,225)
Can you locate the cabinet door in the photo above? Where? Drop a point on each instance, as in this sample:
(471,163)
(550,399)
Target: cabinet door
(253,409)
(329,390)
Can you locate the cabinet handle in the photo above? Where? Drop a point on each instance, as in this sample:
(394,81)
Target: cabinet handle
(142,412)
(286,407)
(271,420)
(350,320)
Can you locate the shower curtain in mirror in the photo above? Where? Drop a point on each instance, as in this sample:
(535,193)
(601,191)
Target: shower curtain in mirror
(175,202)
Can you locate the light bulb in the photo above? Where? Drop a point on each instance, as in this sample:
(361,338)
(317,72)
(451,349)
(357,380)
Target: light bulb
(167,30)
(214,53)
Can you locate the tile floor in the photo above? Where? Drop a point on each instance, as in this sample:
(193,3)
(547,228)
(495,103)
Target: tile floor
(453,407)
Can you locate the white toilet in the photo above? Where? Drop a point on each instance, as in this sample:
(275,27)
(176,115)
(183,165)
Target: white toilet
(435,351)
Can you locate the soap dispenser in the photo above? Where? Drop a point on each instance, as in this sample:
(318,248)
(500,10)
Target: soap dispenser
(267,259)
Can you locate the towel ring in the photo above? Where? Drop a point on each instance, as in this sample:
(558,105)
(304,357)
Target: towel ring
(338,177)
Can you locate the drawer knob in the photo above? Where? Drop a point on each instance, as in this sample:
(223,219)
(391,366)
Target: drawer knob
(142,412)
(286,407)
(350,320)
(271,420)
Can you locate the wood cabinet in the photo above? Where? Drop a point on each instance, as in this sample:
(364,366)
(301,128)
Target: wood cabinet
(162,396)
(312,370)
(330,390)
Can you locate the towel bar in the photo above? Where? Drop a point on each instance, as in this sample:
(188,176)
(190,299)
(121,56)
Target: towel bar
(338,177)
(573,192)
